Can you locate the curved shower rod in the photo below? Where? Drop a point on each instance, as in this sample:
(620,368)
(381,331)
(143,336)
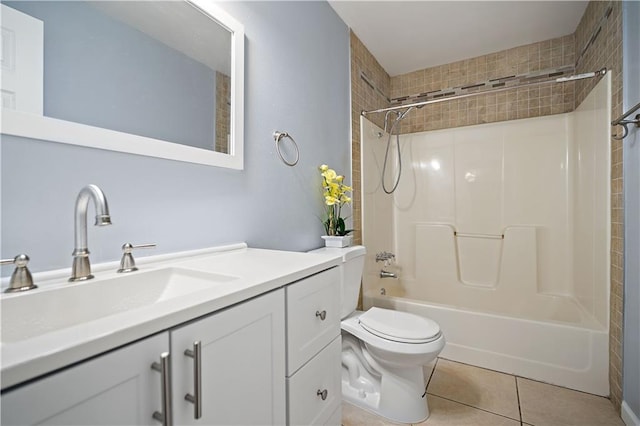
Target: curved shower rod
(621,121)
(598,73)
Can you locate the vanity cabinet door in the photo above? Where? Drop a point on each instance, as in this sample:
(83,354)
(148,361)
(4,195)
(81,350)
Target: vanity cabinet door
(117,388)
(242,365)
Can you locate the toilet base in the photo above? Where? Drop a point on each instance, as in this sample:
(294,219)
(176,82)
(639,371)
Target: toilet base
(394,398)
(397,394)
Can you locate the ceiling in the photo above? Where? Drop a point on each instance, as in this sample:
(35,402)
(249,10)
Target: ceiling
(406,36)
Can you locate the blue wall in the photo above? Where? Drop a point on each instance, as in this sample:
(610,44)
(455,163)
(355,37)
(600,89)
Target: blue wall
(101,72)
(631,96)
(297,80)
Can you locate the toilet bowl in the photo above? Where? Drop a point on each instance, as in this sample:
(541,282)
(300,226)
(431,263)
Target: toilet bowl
(383,351)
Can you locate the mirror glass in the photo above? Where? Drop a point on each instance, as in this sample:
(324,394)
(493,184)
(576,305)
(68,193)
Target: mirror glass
(159,78)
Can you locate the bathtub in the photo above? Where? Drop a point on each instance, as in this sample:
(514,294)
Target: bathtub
(572,351)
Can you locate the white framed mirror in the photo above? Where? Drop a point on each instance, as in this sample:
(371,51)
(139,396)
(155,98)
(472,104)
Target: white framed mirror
(156,78)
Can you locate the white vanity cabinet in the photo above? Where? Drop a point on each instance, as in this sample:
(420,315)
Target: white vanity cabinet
(242,365)
(272,358)
(118,388)
(313,350)
(242,376)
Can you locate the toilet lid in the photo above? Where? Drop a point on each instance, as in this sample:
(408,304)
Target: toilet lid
(399,326)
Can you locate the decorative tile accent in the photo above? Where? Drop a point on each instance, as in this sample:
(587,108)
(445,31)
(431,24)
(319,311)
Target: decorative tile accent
(500,83)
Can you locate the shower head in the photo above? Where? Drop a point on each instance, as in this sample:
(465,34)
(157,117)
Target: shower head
(403,114)
(400,115)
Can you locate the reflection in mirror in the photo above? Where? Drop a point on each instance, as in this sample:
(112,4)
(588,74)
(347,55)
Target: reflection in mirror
(157,69)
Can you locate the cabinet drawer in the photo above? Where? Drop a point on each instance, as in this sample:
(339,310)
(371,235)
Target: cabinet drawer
(322,373)
(308,301)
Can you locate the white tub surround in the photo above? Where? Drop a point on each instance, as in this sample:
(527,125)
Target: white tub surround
(239,273)
(502,231)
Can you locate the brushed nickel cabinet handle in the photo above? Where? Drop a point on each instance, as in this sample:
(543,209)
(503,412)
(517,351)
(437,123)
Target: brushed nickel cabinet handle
(196,398)
(322,315)
(164,367)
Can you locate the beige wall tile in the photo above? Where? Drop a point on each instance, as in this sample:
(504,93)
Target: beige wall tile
(364,98)
(519,60)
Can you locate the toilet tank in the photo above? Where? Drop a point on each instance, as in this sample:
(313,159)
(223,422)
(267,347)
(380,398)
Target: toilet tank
(350,275)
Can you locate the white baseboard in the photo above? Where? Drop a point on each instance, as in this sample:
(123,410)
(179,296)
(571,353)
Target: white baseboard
(628,417)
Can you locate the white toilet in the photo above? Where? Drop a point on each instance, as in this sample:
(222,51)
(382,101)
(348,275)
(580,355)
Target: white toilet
(383,351)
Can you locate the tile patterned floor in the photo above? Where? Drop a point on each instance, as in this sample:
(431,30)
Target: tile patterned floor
(464,395)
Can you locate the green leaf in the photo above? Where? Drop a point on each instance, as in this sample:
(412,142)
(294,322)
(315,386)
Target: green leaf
(340,226)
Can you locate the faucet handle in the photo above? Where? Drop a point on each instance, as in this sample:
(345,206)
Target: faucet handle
(21,279)
(128,263)
(385,257)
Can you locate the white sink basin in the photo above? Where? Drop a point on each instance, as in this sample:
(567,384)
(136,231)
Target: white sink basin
(30,315)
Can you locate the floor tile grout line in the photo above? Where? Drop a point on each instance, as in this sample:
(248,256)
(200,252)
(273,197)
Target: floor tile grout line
(477,408)
(433,370)
(518,396)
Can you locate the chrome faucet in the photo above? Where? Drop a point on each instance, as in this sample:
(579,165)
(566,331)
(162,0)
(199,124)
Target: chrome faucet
(81,268)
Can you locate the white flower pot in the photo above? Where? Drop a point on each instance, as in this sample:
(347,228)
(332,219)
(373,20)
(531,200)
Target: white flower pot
(337,241)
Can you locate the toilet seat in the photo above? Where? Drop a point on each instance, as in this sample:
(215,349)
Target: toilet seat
(353,326)
(399,326)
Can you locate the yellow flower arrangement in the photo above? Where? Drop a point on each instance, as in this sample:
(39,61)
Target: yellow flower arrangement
(335,196)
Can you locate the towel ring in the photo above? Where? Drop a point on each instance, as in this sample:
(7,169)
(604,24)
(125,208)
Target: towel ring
(279,136)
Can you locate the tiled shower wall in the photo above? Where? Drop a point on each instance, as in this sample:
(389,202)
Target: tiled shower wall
(508,105)
(364,98)
(606,51)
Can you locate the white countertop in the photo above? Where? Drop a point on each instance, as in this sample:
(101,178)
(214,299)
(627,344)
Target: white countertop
(258,271)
